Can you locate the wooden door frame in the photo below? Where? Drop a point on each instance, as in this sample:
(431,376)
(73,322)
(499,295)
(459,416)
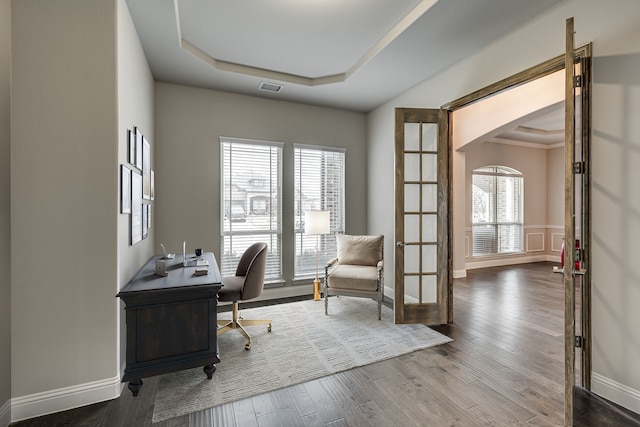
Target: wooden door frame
(582,53)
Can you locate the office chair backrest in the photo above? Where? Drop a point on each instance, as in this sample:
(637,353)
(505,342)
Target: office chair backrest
(252,266)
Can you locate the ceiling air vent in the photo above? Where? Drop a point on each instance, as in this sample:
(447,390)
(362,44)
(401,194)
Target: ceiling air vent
(270,87)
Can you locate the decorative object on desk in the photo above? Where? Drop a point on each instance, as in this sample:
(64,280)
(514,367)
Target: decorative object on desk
(136,207)
(291,354)
(161,268)
(317,222)
(201,271)
(125,189)
(198,252)
(165,253)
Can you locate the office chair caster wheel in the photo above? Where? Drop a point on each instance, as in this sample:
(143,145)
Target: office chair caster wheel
(269,328)
(247,346)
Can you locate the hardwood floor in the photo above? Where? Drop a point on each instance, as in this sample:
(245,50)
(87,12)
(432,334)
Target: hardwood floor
(504,368)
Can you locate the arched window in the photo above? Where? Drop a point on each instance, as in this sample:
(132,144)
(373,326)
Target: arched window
(497,210)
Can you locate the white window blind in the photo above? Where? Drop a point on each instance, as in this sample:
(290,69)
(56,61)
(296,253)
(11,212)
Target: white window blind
(497,211)
(319,185)
(251,180)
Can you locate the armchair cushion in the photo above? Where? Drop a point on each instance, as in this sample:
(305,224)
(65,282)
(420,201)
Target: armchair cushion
(359,250)
(354,277)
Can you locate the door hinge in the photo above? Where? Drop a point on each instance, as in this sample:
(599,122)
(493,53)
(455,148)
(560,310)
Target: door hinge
(578,167)
(577,81)
(578,341)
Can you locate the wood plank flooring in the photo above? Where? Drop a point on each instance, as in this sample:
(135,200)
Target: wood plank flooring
(504,368)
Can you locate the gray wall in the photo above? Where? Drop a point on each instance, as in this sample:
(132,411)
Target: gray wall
(63,192)
(5,223)
(79,81)
(612,27)
(189,122)
(135,108)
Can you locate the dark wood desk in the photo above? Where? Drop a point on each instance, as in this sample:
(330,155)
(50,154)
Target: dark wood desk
(171,321)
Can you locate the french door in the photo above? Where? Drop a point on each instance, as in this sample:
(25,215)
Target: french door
(576,272)
(423,291)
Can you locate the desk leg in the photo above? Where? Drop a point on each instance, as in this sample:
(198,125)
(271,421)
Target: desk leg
(209,370)
(135,386)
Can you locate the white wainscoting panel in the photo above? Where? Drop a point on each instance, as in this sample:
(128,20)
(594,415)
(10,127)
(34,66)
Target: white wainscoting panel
(467,246)
(535,242)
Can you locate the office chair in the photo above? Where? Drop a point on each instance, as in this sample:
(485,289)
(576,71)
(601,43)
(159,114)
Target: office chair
(247,283)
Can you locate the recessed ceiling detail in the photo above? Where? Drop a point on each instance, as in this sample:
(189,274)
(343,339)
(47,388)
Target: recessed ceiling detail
(353,55)
(261,72)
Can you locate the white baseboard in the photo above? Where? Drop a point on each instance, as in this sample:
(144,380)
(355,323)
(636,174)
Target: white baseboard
(620,394)
(5,414)
(458,274)
(62,399)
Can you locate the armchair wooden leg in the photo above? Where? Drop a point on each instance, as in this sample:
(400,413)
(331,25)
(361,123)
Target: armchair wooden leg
(326,301)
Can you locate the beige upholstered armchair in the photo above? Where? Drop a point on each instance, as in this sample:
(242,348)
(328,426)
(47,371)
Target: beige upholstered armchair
(357,271)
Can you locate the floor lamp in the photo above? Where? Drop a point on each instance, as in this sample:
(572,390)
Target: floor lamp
(316,222)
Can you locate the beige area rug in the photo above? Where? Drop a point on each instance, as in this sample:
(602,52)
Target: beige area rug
(303,345)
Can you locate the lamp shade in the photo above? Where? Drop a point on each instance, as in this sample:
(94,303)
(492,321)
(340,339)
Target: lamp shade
(316,222)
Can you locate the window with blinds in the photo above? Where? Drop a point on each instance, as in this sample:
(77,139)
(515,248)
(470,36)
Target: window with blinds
(497,211)
(319,185)
(251,180)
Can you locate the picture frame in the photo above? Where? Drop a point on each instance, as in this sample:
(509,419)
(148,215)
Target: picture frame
(139,136)
(136,207)
(149,208)
(146,169)
(125,189)
(145,221)
(131,141)
(153,185)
